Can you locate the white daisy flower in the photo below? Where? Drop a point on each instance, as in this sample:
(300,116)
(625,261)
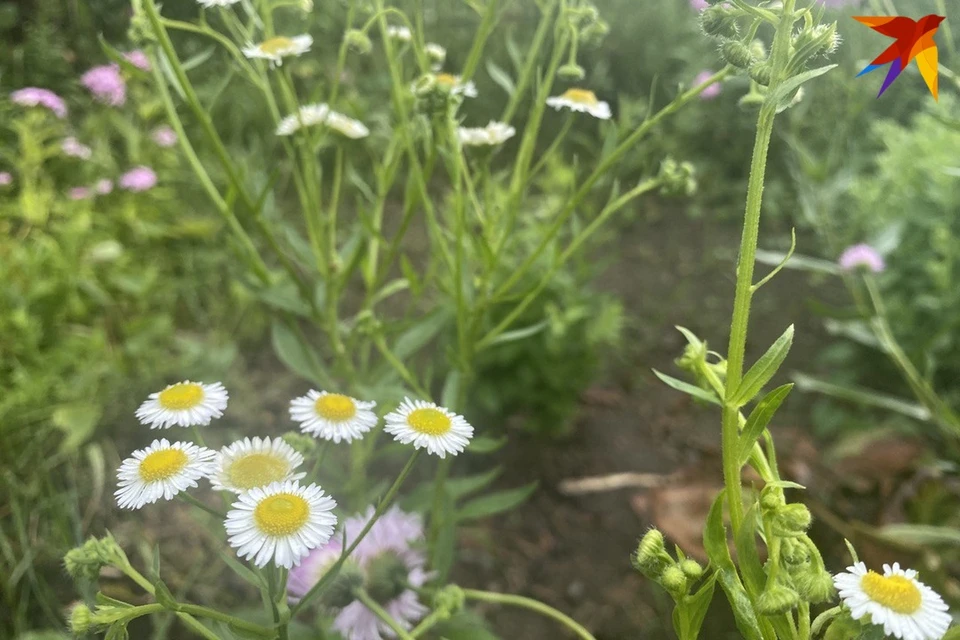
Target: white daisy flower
(347,125)
(162,470)
(493,134)
(247,463)
(425,424)
(207,4)
(185,404)
(282,521)
(333,416)
(905,607)
(455,85)
(582,100)
(402,34)
(309,115)
(278,48)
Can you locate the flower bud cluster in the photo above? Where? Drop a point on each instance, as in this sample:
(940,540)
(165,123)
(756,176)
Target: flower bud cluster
(695,361)
(84,562)
(675,576)
(677,178)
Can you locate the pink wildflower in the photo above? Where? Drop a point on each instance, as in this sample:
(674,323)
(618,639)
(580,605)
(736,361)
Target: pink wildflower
(106,84)
(164,136)
(861,255)
(36,97)
(711,91)
(5,178)
(138,179)
(104,186)
(79,193)
(138,59)
(74,148)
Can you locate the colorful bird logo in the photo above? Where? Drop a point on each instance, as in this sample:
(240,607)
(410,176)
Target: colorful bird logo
(914,40)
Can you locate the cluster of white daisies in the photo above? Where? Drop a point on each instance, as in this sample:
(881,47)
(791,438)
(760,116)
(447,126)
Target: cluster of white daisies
(275,517)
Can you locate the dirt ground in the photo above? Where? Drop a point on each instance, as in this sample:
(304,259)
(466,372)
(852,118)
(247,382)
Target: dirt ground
(573,551)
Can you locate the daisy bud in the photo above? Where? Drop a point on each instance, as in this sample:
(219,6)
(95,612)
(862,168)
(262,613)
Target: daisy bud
(736,53)
(301,443)
(80,619)
(651,557)
(691,568)
(815,586)
(777,599)
(674,581)
(595,33)
(771,499)
(386,577)
(843,627)
(435,52)
(758,49)
(791,521)
(358,41)
(83,562)
(449,600)
(718,21)
(571,71)
(762,73)
(676,178)
(341,591)
(794,552)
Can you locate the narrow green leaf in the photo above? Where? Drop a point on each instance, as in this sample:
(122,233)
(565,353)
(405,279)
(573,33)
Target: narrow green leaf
(240,569)
(417,337)
(520,334)
(687,388)
(784,92)
(747,555)
(759,418)
(764,369)
(690,336)
(298,357)
(494,503)
(486,444)
(715,543)
(420,498)
(443,549)
(798,262)
(163,595)
(501,78)
(862,396)
(921,535)
(77,421)
(694,610)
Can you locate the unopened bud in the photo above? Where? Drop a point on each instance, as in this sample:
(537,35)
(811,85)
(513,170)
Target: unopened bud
(386,576)
(736,53)
(793,552)
(674,581)
(762,73)
(791,521)
(80,619)
(571,72)
(815,586)
(771,498)
(691,568)
(843,627)
(758,50)
(595,33)
(449,600)
(651,557)
(777,599)
(435,52)
(301,443)
(359,41)
(717,21)
(341,591)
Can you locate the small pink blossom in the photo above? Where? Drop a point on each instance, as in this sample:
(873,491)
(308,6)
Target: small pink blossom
(861,255)
(103,187)
(138,59)
(699,5)
(711,91)
(36,97)
(138,179)
(80,193)
(5,178)
(164,136)
(76,149)
(106,84)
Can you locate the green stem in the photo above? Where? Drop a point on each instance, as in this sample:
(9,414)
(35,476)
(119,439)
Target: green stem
(385,503)
(428,623)
(187,619)
(189,499)
(233,621)
(745,264)
(533,605)
(381,613)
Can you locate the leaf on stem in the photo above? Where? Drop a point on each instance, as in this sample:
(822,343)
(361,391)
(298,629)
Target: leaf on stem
(297,356)
(759,418)
(494,503)
(763,370)
(688,616)
(783,94)
(687,388)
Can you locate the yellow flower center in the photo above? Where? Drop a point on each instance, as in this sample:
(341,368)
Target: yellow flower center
(276,46)
(896,593)
(429,421)
(281,514)
(163,464)
(446,79)
(335,407)
(581,96)
(257,470)
(181,396)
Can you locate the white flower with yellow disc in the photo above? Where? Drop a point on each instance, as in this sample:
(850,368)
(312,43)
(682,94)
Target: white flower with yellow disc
(308,115)
(282,522)
(429,426)
(493,134)
(280,47)
(347,126)
(247,464)
(582,100)
(185,404)
(905,607)
(333,416)
(162,470)
(401,34)
(455,85)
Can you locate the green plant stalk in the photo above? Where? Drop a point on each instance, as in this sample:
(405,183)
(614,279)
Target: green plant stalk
(745,265)
(189,499)
(385,503)
(381,613)
(185,616)
(526,75)
(533,605)
(429,622)
(480,40)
